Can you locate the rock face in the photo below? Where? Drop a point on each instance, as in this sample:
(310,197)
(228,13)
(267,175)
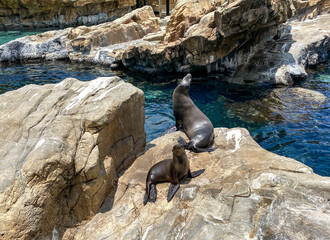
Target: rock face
(244,41)
(62,147)
(100,44)
(32,13)
(245,192)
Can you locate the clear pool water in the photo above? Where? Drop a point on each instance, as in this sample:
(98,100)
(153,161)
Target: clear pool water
(6,36)
(291,126)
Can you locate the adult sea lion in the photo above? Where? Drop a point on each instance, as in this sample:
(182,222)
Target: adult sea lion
(169,170)
(193,121)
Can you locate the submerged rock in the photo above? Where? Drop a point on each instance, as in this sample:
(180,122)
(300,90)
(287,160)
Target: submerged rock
(245,192)
(280,104)
(62,147)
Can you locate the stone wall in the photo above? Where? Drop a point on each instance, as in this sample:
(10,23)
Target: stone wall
(60,13)
(62,148)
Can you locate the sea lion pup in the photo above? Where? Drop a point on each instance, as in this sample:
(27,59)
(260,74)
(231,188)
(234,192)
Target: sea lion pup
(169,170)
(193,121)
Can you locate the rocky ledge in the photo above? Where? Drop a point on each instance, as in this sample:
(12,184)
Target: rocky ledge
(62,148)
(243,41)
(59,13)
(245,192)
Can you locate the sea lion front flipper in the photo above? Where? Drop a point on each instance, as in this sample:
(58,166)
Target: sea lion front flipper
(172,190)
(196,173)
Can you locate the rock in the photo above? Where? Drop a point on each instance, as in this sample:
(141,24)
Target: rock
(245,192)
(56,13)
(45,46)
(63,147)
(241,41)
(185,14)
(289,104)
(106,40)
(103,44)
(244,41)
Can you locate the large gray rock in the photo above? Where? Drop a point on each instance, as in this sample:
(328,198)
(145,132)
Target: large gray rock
(62,147)
(245,192)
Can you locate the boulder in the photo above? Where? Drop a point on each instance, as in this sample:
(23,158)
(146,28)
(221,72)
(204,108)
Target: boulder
(63,146)
(245,192)
(50,45)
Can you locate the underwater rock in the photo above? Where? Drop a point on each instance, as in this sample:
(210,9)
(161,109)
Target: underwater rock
(62,147)
(291,104)
(245,192)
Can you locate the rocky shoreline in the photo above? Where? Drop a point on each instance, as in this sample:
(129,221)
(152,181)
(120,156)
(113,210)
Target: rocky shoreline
(268,45)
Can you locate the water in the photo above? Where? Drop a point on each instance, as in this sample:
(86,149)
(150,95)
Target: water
(280,121)
(6,36)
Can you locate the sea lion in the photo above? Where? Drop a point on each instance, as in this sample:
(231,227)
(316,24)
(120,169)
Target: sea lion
(191,119)
(169,170)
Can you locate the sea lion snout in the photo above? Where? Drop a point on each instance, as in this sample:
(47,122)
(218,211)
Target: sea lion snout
(185,82)
(177,148)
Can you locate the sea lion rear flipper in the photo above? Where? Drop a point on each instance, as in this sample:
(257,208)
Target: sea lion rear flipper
(196,173)
(182,142)
(150,196)
(153,193)
(145,199)
(172,190)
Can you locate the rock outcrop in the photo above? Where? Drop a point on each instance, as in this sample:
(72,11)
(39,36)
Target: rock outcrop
(100,44)
(241,39)
(245,192)
(60,13)
(244,41)
(62,148)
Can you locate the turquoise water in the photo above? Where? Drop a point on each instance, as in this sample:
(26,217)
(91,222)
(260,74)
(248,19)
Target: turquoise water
(290,126)
(6,36)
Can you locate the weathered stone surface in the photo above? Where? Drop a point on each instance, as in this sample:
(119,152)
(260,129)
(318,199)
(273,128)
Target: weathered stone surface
(46,46)
(92,43)
(244,41)
(28,13)
(104,43)
(245,192)
(62,147)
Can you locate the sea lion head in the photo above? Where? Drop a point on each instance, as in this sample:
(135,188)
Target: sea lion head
(179,153)
(184,85)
